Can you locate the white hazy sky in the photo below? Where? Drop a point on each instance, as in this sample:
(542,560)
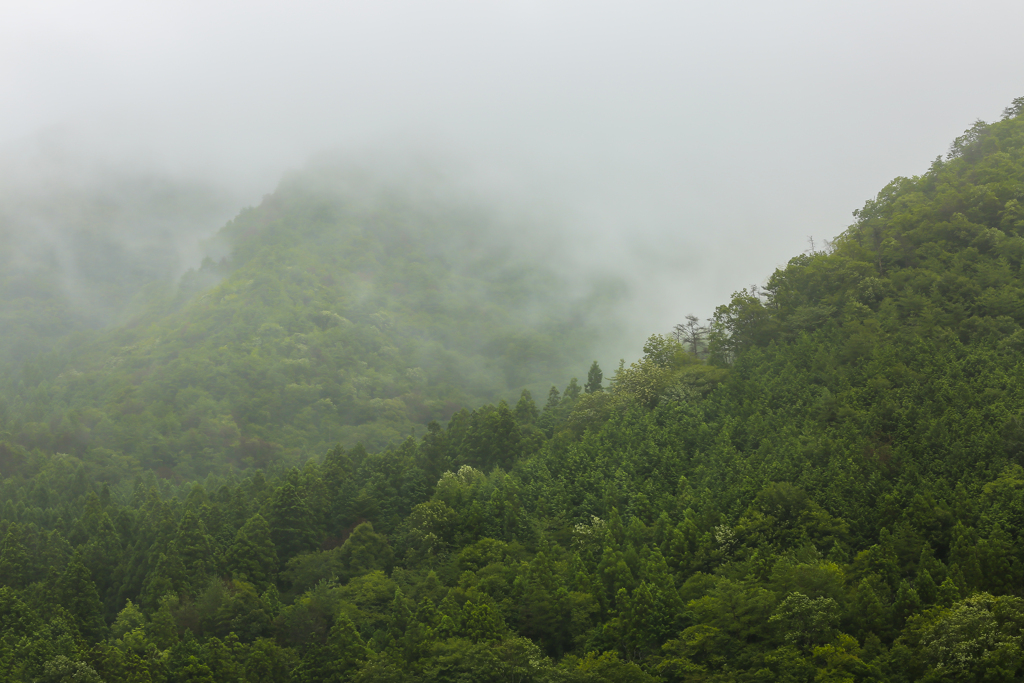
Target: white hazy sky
(691,147)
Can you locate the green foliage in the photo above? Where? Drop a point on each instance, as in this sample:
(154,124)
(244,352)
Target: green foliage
(335,661)
(594,379)
(76,592)
(252,557)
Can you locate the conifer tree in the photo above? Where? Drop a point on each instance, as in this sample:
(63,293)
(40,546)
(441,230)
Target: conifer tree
(572,391)
(1000,573)
(291,523)
(931,564)
(494,439)
(540,613)
(162,629)
(963,552)
(614,574)
(167,577)
(102,553)
(337,659)
(252,556)
(526,410)
(15,567)
(642,621)
(420,634)
(948,592)
(17,619)
(594,379)
(926,588)
(870,613)
(906,603)
(554,398)
(550,415)
(128,619)
(400,617)
(221,656)
(76,592)
(193,547)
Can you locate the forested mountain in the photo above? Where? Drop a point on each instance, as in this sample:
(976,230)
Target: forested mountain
(346,311)
(826,484)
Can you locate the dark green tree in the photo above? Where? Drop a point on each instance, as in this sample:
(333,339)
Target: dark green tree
(76,592)
(15,565)
(252,557)
(526,410)
(336,660)
(594,379)
(291,523)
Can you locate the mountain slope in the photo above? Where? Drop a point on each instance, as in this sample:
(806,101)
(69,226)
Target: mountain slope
(346,311)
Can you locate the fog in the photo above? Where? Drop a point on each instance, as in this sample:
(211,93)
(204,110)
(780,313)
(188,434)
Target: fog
(687,149)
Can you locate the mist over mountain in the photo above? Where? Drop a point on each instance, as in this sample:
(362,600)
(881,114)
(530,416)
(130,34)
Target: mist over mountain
(685,149)
(346,307)
(83,239)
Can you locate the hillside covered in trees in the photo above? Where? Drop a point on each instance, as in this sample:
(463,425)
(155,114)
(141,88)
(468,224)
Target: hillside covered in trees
(345,310)
(826,484)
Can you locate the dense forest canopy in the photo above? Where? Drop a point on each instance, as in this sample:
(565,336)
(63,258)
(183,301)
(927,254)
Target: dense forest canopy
(826,483)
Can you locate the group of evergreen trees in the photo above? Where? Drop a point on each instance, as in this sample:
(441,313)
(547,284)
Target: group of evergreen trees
(826,484)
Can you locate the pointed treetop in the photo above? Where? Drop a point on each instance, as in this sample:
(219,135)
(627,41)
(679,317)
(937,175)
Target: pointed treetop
(594,379)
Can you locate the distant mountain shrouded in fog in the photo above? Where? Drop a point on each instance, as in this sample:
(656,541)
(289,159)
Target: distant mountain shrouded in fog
(342,308)
(82,240)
